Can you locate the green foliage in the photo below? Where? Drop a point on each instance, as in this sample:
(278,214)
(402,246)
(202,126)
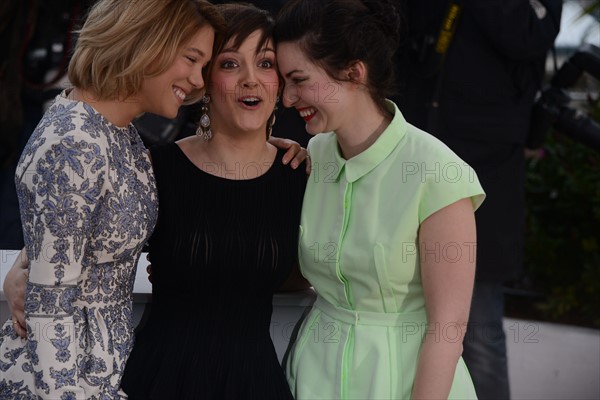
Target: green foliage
(563,229)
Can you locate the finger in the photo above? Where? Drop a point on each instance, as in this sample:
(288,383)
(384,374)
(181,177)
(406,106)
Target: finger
(16,301)
(22,332)
(19,329)
(308,164)
(292,154)
(19,316)
(21,320)
(18,311)
(299,158)
(281,144)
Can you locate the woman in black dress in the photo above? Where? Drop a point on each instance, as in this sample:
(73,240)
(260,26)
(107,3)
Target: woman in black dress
(226,236)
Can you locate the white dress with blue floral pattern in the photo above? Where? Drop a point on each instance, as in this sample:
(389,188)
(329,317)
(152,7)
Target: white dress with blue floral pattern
(88,204)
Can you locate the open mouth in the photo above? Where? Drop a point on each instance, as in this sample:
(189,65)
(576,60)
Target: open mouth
(179,93)
(307,113)
(250,101)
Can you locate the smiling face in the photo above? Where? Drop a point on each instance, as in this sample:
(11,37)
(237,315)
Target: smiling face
(164,94)
(318,98)
(243,86)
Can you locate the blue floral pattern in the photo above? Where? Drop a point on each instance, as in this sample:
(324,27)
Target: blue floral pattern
(88,204)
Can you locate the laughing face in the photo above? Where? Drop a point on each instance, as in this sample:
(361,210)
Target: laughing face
(164,94)
(243,86)
(318,98)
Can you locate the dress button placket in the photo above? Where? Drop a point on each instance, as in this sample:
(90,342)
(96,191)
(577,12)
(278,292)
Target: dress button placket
(346,209)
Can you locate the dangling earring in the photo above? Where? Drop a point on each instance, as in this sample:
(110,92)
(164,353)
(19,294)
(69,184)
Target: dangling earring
(272,119)
(203,129)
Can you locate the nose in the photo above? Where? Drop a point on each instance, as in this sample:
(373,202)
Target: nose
(248,79)
(290,95)
(196,79)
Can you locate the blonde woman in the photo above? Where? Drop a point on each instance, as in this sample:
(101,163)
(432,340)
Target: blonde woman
(88,198)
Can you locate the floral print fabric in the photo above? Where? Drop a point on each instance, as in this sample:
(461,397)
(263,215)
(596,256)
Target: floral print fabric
(88,203)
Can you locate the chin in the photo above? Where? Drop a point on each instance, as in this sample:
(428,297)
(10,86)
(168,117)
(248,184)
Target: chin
(252,128)
(170,114)
(311,130)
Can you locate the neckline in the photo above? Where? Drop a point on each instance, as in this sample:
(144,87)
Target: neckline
(65,97)
(270,170)
(363,163)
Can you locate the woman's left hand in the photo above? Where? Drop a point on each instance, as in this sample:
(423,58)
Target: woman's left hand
(14,290)
(296,153)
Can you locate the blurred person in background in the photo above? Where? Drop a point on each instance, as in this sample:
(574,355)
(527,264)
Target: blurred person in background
(37,39)
(469,73)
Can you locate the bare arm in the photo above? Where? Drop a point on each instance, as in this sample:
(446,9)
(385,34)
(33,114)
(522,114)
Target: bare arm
(14,290)
(447,278)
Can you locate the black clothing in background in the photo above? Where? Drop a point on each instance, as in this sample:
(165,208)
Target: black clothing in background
(485,90)
(491,73)
(36,40)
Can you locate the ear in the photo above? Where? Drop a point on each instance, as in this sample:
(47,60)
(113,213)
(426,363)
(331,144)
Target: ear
(356,72)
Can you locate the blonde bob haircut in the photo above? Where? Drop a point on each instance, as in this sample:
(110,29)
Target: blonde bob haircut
(124,42)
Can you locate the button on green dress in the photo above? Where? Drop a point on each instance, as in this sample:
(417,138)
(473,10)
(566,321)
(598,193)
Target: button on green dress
(359,249)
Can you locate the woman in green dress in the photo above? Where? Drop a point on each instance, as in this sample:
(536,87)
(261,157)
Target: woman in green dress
(387,234)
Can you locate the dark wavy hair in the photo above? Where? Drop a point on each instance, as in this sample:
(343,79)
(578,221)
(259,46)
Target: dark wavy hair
(241,20)
(336,33)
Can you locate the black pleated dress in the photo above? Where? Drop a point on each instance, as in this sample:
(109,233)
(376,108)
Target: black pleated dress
(219,250)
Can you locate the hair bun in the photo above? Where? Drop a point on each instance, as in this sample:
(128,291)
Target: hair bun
(387,13)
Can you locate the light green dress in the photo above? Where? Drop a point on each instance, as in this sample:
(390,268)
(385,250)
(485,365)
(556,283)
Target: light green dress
(358,248)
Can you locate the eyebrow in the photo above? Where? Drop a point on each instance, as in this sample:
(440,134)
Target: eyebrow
(195,50)
(268,49)
(232,50)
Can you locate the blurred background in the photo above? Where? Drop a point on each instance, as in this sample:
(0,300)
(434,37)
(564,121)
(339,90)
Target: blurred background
(552,308)
(561,281)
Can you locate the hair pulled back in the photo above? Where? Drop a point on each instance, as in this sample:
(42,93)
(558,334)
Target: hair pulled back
(334,34)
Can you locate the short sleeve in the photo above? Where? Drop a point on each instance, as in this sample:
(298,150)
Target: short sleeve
(447,179)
